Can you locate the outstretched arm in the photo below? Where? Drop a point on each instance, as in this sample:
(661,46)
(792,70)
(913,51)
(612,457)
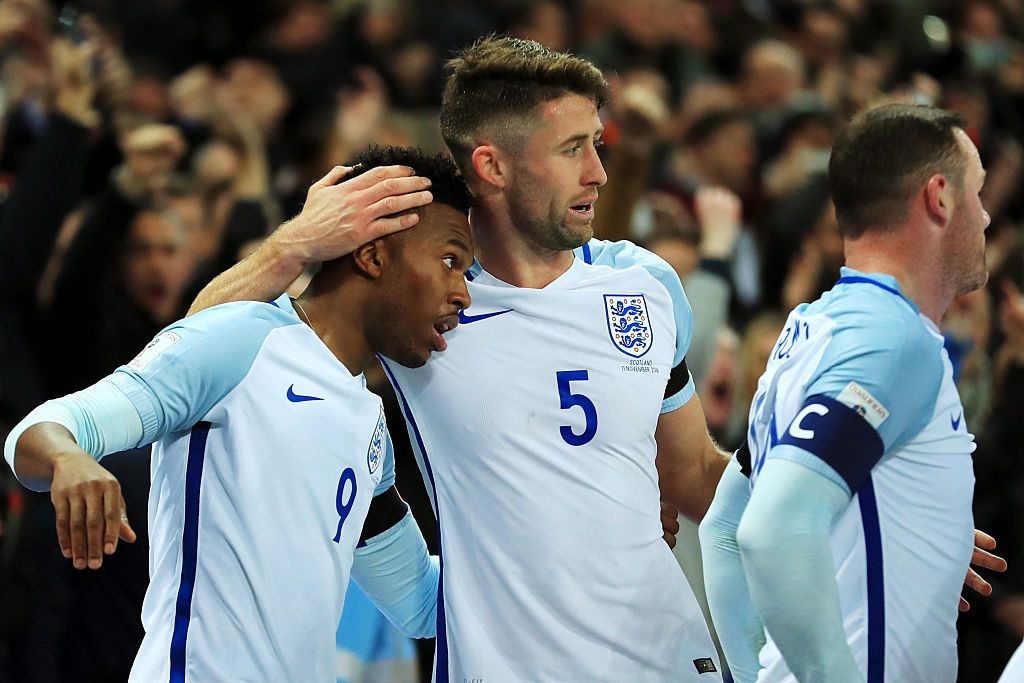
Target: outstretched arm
(337,218)
(56,448)
(168,387)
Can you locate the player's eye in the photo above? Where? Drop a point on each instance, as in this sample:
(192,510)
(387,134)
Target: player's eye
(573,151)
(598,144)
(449,261)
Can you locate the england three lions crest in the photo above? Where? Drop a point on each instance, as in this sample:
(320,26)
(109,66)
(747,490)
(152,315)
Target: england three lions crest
(375,453)
(628,323)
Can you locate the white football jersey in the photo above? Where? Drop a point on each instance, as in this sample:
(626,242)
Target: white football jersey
(535,434)
(270,452)
(902,547)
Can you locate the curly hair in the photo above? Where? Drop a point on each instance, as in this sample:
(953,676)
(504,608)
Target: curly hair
(447,185)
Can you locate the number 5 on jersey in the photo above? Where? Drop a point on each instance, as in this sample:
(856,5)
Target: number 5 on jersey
(567,399)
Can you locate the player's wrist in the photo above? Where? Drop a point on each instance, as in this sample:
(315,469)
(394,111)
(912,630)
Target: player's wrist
(287,254)
(66,458)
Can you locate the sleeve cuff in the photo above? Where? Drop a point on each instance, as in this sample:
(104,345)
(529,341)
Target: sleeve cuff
(680,398)
(138,394)
(811,462)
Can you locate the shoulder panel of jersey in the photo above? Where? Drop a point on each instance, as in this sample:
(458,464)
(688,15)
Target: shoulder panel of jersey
(195,362)
(882,350)
(624,254)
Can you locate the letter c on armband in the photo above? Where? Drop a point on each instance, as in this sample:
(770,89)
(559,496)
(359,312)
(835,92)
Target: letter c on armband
(796,430)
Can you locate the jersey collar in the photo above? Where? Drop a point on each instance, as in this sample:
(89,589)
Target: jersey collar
(478,275)
(849,276)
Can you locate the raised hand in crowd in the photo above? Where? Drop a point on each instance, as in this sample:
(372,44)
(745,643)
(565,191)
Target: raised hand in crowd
(1011,322)
(719,212)
(151,152)
(359,114)
(74,83)
(639,113)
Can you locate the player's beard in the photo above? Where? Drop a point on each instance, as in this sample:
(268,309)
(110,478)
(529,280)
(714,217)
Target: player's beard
(549,229)
(965,261)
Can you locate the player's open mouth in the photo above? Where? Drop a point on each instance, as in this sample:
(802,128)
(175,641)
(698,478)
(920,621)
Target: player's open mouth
(440,328)
(583,210)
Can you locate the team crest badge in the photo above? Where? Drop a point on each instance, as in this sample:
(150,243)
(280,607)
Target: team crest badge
(628,323)
(375,453)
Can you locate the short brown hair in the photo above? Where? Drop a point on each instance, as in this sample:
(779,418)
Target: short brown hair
(498,81)
(885,155)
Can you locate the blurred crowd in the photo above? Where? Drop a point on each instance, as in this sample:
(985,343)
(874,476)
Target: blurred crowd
(146,146)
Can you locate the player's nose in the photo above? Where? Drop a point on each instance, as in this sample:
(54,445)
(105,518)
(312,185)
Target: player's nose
(459,296)
(594,173)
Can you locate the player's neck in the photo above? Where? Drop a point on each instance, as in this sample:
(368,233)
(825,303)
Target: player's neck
(340,331)
(916,269)
(505,254)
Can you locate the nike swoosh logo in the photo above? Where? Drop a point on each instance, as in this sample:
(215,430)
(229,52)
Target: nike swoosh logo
(466,319)
(299,398)
(955,421)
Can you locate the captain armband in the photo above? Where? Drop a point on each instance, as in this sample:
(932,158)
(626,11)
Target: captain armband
(837,434)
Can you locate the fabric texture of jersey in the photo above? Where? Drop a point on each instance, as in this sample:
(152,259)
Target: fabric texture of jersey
(902,547)
(269,454)
(535,434)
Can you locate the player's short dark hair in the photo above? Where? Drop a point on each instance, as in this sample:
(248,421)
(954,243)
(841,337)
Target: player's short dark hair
(447,185)
(885,155)
(498,82)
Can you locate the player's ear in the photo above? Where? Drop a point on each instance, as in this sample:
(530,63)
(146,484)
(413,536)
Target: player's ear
(938,199)
(489,166)
(369,259)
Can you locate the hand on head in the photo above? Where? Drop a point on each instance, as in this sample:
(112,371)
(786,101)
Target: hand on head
(341,215)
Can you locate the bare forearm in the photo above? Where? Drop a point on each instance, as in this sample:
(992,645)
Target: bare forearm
(706,483)
(691,489)
(263,276)
(690,463)
(38,450)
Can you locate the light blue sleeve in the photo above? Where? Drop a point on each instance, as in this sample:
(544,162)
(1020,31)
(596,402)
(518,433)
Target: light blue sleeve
(732,611)
(891,355)
(193,363)
(366,640)
(784,542)
(400,577)
(100,418)
(625,254)
(874,389)
(387,479)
